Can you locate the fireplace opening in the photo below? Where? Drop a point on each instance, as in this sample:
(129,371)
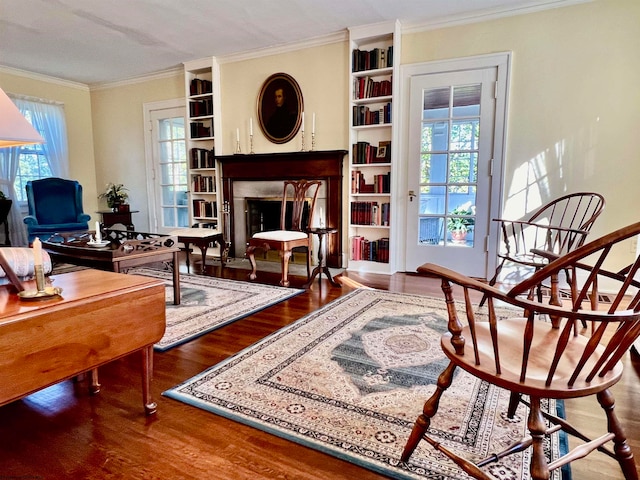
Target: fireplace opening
(263,215)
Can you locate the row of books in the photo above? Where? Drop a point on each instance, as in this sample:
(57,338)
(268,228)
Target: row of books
(203,184)
(367,87)
(201,108)
(202,158)
(205,209)
(201,130)
(200,86)
(381,183)
(365,153)
(363,115)
(372,59)
(371,250)
(370,213)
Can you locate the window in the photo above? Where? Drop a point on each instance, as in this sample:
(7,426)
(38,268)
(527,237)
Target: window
(45,160)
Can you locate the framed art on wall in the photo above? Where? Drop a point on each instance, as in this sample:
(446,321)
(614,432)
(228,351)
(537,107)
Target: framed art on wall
(280,107)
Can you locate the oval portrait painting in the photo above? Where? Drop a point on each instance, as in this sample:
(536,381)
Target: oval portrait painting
(280,107)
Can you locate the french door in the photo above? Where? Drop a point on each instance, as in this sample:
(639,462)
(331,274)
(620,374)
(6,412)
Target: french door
(451,159)
(168,184)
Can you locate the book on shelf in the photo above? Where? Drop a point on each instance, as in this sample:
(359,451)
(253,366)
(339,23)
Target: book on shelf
(367,87)
(199,86)
(203,184)
(370,213)
(363,115)
(201,130)
(201,108)
(373,59)
(369,250)
(205,208)
(202,158)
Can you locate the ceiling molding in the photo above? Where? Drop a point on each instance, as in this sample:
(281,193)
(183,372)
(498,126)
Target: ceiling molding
(43,78)
(337,37)
(486,15)
(171,72)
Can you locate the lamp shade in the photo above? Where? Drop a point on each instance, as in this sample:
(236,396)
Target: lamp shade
(15,130)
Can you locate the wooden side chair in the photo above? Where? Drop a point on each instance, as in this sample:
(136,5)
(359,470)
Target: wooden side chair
(558,227)
(532,356)
(296,216)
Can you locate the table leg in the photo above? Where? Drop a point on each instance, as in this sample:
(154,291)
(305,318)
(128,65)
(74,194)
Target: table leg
(176,279)
(186,250)
(150,407)
(204,246)
(94,384)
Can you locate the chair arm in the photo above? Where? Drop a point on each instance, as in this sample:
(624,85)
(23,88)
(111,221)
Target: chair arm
(521,237)
(30,220)
(84,217)
(511,298)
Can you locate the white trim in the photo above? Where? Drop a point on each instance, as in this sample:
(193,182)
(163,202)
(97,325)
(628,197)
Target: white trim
(486,15)
(43,78)
(337,37)
(173,72)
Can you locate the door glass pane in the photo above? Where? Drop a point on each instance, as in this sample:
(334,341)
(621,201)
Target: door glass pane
(173,172)
(449,165)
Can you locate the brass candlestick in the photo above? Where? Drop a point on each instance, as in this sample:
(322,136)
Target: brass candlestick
(39,272)
(238,147)
(313,141)
(302,150)
(251,144)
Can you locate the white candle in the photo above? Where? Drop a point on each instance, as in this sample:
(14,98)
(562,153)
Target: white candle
(37,251)
(313,123)
(251,126)
(98,234)
(237,134)
(302,129)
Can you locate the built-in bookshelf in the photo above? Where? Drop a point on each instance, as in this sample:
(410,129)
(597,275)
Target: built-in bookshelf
(202,84)
(374,66)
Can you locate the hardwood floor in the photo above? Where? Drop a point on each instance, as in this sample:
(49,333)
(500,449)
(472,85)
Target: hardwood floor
(63,432)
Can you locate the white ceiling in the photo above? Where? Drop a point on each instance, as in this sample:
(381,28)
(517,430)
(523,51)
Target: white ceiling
(101,41)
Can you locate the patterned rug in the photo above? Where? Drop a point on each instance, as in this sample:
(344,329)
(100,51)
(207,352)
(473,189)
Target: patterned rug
(350,380)
(207,303)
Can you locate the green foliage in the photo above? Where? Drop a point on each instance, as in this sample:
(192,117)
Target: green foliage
(462,218)
(115,194)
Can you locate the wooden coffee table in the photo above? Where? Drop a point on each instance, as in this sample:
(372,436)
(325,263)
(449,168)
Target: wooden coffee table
(99,317)
(126,249)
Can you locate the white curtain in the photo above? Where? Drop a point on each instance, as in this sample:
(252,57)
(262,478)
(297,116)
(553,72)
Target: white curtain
(48,119)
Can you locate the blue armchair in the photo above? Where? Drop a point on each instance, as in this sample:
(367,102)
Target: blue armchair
(55,205)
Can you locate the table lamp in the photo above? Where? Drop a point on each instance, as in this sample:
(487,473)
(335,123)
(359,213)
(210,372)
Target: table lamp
(15,130)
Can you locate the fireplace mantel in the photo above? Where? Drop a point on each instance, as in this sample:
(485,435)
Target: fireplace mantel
(317,165)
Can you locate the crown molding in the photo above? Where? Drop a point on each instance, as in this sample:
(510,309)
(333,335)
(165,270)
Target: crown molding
(171,72)
(487,15)
(43,78)
(337,37)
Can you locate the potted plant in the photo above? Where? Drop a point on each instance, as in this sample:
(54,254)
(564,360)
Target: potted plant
(461,221)
(116,196)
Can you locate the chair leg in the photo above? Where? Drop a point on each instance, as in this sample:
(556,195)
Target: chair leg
(428,411)
(250,253)
(623,452)
(514,401)
(539,468)
(285,255)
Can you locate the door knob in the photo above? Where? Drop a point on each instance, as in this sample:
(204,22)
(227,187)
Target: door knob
(411,195)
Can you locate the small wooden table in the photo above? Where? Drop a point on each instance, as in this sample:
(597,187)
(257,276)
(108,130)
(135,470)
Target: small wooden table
(111,218)
(126,249)
(99,317)
(322,266)
(202,238)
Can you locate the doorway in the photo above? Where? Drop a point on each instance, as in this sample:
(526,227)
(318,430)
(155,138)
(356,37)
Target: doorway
(455,134)
(167,166)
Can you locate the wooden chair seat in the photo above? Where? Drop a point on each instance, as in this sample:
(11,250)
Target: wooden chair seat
(543,343)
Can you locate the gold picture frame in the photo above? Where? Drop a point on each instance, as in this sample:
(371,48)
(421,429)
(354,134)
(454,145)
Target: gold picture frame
(280,107)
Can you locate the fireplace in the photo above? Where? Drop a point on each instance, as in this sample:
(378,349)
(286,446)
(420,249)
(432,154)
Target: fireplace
(261,176)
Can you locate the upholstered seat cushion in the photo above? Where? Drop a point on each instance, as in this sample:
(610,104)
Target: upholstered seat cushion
(280,235)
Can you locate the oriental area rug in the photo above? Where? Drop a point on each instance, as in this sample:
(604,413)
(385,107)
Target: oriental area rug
(208,303)
(351,378)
